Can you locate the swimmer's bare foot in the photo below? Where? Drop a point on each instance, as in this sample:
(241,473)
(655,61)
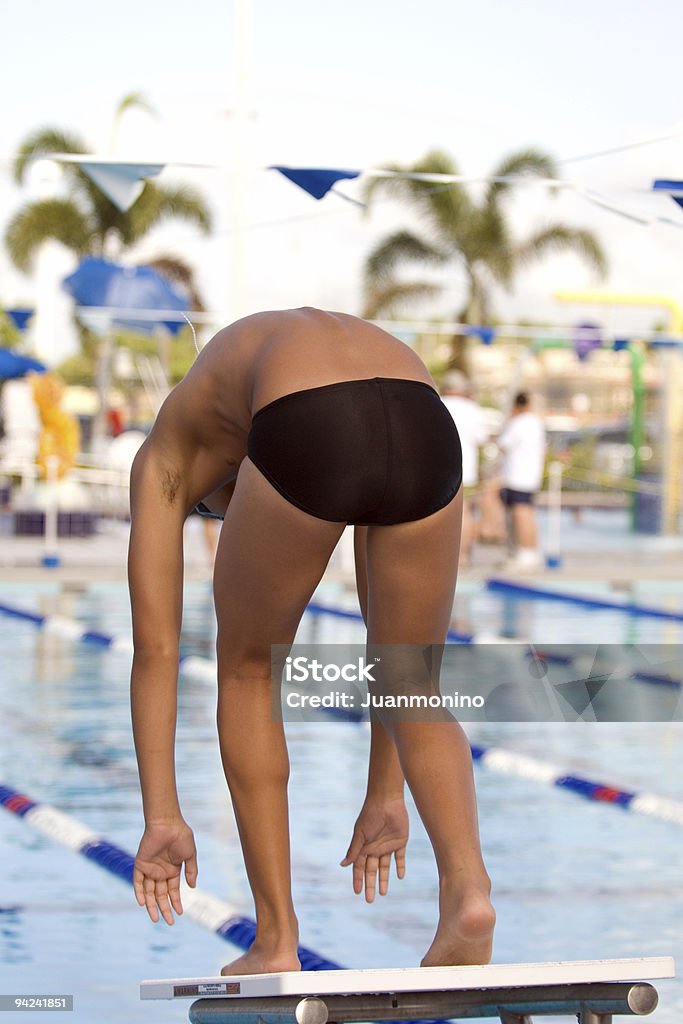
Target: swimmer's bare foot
(465,931)
(261,961)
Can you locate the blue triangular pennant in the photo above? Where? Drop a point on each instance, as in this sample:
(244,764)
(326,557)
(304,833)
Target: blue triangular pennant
(316,181)
(19,317)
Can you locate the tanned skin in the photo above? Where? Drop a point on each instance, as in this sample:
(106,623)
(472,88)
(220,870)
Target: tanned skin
(270,558)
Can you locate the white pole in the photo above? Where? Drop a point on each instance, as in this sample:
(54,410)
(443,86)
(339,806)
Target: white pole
(239,161)
(50,555)
(553,558)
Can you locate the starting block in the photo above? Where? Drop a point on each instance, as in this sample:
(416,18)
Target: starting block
(592,990)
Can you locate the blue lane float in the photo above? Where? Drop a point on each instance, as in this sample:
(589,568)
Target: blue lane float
(70,627)
(494,758)
(207,910)
(509,762)
(515,589)
(536,653)
(315,608)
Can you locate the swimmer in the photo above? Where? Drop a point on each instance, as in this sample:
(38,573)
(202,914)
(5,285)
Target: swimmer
(289,426)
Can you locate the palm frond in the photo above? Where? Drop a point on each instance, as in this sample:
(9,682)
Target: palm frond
(524,162)
(560,238)
(157,204)
(177,271)
(446,205)
(133,101)
(485,238)
(434,162)
(58,219)
(398,248)
(45,141)
(390,298)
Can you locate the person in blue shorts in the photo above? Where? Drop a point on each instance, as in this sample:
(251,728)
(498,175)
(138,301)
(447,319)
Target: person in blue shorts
(290,426)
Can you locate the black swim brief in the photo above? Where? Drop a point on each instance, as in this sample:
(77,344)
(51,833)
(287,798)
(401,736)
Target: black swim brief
(511,497)
(380,450)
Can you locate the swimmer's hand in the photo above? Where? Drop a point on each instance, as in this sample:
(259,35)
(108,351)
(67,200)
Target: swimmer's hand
(164,847)
(380,830)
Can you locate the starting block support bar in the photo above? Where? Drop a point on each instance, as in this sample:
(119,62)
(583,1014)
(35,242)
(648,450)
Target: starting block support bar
(592,1003)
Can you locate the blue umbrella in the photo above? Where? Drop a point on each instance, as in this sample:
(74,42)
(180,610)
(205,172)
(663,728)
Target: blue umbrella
(14,365)
(98,283)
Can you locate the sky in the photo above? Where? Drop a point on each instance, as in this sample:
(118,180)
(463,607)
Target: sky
(356,85)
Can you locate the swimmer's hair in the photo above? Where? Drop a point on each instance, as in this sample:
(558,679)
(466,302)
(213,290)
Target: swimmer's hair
(521,400)
(454,380)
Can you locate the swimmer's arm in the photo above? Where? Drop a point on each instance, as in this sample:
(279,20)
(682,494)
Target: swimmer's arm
(385,775)
(155,574)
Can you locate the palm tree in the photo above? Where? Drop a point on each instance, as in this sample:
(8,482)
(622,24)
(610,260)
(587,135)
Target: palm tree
(86,221)
(475,235)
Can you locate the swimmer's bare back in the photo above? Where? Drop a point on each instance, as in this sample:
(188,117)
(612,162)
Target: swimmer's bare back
(203,425)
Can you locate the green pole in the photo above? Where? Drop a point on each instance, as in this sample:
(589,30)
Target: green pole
(637,430)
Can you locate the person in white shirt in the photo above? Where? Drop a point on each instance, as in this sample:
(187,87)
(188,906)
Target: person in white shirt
(469,417)
(523,446)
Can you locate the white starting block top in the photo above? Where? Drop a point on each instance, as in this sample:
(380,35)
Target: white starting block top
(411,979)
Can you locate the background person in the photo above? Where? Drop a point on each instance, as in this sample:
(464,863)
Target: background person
(470,419)
(523,446)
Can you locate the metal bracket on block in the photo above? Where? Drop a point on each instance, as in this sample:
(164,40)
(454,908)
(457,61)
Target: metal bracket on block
(588,1016)
(508,1017)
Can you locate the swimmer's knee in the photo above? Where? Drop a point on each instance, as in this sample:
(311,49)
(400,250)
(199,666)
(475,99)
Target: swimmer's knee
(246,668)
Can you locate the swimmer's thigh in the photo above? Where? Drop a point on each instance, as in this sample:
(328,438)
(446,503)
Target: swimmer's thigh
(270,558)
(411,571)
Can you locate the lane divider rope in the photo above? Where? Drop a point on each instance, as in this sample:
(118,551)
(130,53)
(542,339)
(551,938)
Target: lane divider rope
(525,590)
(207,910)
(508,762)
(494,758)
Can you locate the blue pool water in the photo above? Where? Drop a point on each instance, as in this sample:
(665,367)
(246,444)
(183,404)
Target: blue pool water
(572,879)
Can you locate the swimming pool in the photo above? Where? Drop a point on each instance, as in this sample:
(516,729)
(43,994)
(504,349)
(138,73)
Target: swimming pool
(572,879)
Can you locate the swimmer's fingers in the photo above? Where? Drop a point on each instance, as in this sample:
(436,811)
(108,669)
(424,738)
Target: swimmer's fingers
(400,862)
(359,874)
(371,867)
(158,896)
(355,846)
(191,870)
(164,902)
(138,886)
(174,894)
(384,866)
(150,899)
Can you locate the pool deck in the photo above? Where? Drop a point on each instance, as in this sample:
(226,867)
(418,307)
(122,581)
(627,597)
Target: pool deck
(103,557)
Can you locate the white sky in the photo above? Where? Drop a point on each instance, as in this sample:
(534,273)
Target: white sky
(356,84)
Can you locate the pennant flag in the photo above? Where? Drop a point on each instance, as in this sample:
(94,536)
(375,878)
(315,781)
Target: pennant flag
(664,185)
(316,181)
(19,317)
(586,338)
(122,183)
(485,334)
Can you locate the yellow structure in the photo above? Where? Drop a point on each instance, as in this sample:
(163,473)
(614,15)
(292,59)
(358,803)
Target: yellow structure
(60,434)
(675,309)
